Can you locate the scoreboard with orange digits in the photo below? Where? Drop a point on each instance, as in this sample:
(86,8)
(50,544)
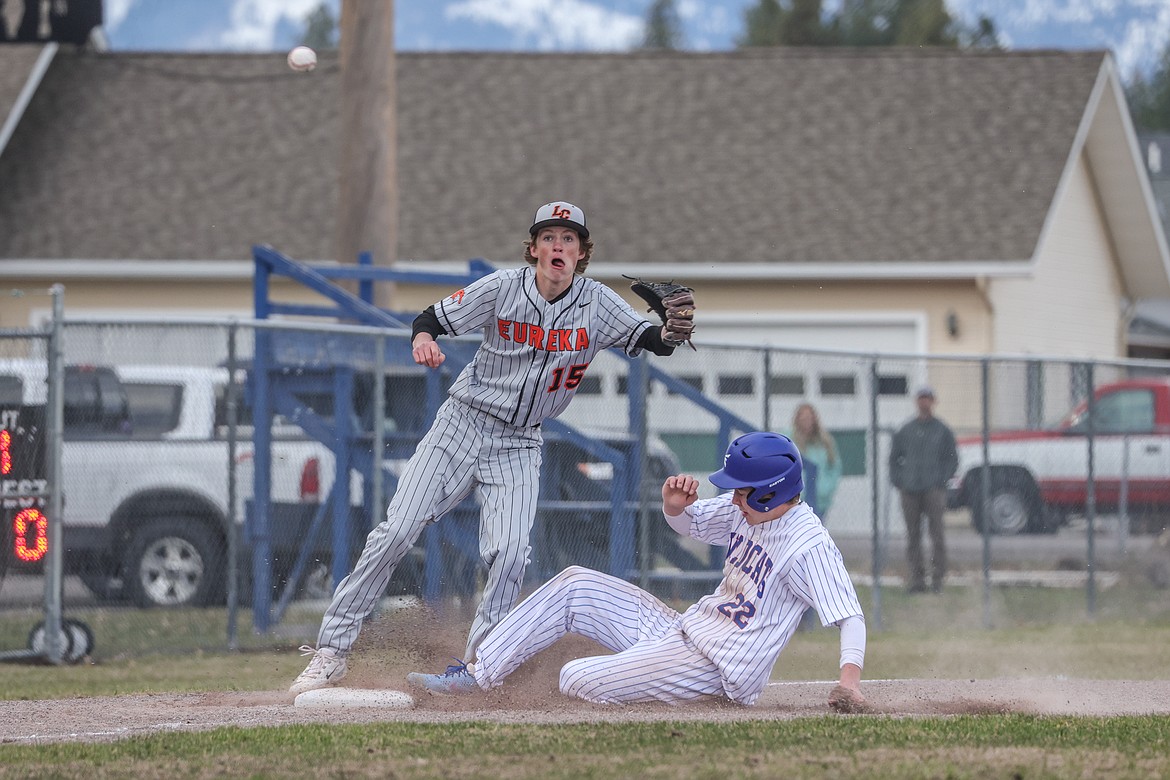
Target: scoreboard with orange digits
(23,485)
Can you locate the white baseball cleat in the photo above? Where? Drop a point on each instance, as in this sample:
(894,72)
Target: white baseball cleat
(326,668)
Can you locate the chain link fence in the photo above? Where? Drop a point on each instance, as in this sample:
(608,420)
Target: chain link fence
(219,477)
(1076,456)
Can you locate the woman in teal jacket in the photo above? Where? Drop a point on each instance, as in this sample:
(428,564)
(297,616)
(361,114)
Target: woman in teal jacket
(817,446)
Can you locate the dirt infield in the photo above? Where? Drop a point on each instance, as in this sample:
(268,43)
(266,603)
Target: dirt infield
(117,717)
(392,647)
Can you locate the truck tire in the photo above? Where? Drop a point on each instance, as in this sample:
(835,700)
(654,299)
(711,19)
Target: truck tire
(1015,506)
(175,562)
(103,586)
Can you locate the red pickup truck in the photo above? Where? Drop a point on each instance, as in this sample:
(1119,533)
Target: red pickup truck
(1039,478)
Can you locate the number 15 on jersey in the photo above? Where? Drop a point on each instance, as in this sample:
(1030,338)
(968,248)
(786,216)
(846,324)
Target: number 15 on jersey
(569,378)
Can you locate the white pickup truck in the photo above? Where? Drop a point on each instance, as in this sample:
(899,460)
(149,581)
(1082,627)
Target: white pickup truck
(146,486)
(145,469)
(1039,478)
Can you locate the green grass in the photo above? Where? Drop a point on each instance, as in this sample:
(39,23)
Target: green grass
(1016,632)
(126,633)
(1009,746)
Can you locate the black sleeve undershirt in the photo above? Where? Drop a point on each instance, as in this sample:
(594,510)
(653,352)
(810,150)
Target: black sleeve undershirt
(651,339)
(427,322)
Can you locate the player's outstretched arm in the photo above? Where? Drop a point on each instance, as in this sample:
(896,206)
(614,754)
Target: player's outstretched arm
(846,696)
(426,351)
(679,492)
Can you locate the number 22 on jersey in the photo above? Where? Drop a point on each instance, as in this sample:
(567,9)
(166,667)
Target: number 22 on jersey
(740,610)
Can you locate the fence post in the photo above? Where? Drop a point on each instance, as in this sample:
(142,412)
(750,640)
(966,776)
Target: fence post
(876,555)
(258,532)
(767,389)
(54,565)
(1091,491)
(342,447)
(379,422)
(233,529)
(1123,498)
(985,484)
(641,428)
(622,533)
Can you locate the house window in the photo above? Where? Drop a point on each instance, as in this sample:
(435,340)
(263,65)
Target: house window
(694,381)
(11,390)
(736,384)
(786,384)
(892,385)
(838,384)
(590,385)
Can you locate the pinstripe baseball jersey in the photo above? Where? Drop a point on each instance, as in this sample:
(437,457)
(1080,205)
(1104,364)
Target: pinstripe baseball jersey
(535,352)
(773,571)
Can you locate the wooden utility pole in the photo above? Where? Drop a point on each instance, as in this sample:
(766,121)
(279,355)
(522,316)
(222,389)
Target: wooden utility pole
(368,205)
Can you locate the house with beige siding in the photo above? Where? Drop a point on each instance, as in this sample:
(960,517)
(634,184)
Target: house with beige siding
(880,200)
(1149,330)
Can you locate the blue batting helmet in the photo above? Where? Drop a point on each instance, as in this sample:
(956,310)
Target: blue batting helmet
(768,463)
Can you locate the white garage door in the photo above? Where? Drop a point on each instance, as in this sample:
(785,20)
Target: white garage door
(837,386)
(735,379)
(884,332)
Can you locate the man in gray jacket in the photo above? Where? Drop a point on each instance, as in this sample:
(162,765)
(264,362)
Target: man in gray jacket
(922,459)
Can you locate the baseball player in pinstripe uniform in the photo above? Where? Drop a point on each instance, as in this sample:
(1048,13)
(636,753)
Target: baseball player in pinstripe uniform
(780,560)
(542,325)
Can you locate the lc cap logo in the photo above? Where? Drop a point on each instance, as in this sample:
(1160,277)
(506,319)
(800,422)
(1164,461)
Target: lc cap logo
(559,214)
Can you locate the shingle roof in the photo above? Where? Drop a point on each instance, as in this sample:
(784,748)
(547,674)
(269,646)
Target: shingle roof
(16,63)
(764,156)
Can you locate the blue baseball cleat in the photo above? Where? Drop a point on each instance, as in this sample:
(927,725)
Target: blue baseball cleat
(458,679)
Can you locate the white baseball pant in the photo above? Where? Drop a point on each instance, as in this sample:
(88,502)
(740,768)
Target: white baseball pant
(464,449)
(654,660)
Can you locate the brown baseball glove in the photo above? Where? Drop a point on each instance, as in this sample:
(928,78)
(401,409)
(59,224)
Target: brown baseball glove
(674,304)
(848,701)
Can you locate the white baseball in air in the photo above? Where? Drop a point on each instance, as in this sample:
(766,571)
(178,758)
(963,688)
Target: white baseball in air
(302,59)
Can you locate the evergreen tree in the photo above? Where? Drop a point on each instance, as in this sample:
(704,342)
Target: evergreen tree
(763,21)
(982,36)
(663,29)
(793,23)
(862,23)
(924,23)
(868,22)
(804,25)
(320,29)
(1149,97)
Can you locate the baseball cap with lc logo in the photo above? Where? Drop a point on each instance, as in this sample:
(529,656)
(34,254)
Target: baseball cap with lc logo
(559,214)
